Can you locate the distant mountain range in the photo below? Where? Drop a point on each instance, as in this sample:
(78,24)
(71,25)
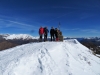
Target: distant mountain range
(17,36)
(9,41)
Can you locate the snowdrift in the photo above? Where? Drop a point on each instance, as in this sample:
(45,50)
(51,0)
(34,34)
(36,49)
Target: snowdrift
(49,58)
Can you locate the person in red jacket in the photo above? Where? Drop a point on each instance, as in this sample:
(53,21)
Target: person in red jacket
(41,32)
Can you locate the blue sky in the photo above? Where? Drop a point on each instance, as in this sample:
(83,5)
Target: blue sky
(78,18)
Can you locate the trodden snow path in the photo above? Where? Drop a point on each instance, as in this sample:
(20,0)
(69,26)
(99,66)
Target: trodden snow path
(49,58)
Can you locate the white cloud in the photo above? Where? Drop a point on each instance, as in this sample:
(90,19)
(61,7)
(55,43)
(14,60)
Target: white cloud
(71,29)
(94,31)
(90,31)
(9,23)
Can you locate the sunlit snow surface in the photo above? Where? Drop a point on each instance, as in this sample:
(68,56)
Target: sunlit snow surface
(20,36)
(49,58)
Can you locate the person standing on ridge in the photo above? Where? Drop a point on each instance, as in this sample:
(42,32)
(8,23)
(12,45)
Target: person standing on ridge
(41,32)
(46,31)
(52,33)
(56,34)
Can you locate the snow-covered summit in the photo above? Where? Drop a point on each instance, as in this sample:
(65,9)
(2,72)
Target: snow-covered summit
(4,35)
(49,58)
(20,36)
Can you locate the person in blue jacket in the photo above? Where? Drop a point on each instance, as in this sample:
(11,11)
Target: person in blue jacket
(46,31)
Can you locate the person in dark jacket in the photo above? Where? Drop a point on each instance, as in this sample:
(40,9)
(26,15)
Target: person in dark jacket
(52,33)
(46,31)
(41,32)
(56,34)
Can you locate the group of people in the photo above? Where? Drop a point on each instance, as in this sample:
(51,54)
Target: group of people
(44,32)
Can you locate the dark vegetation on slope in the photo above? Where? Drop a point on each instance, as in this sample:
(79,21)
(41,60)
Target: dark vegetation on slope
(6,44)
(93,44)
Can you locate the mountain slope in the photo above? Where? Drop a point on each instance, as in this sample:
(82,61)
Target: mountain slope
(19,36)
(49,58)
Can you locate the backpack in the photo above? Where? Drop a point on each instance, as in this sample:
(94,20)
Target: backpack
(46,30)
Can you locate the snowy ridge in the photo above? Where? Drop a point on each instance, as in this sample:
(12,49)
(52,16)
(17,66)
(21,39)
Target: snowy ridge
(49,58)
(20,36)
(4,35)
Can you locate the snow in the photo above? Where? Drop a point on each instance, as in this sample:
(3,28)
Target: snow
(20,36)
(98,55)
(49,58)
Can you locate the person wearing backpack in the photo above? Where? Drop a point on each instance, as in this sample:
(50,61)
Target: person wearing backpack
(41,32)
(52,33)
(56,34)
(46,31)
